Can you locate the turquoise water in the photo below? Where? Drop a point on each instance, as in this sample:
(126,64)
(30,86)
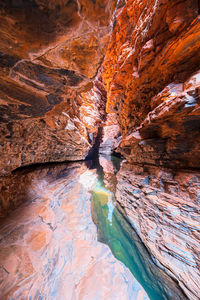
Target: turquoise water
(116,232)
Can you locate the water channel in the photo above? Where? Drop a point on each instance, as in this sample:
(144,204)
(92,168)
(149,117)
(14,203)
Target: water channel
(115,231)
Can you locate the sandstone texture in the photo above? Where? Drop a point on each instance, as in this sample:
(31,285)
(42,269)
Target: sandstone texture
(49,248)
(50,53)
(62,64)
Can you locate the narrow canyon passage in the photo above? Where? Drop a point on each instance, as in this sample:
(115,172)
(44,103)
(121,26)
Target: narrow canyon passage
(99,149)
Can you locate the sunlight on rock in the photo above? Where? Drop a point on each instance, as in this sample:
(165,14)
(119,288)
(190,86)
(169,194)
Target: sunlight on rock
(88,179)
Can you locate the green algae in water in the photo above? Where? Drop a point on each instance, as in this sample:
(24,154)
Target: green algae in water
(125,244)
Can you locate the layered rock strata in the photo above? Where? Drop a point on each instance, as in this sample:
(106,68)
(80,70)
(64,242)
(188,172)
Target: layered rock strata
(163,208)
(50,53)
(130,248)
(170,133)
(52,103)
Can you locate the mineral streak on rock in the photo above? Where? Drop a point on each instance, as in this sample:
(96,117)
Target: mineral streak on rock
(50,53)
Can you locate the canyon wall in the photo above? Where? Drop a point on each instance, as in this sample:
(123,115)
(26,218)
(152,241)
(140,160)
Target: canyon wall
(50,54)
(152,78)
(53,92)
(162,205)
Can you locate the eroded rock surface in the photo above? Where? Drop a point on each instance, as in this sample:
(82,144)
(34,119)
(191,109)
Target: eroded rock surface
(170,134)
(50,53)
(120,235)
(49,246)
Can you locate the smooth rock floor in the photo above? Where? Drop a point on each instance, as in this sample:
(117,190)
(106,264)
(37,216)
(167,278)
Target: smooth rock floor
(49,248)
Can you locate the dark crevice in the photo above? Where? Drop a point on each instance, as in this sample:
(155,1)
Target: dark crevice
(94,151)
(32,167)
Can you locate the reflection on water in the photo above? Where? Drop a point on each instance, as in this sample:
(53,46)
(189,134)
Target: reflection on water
(116,232)
(110,209)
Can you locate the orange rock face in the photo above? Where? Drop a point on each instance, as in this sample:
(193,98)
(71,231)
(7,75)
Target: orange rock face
(155,47)
(50,53)
(169,135)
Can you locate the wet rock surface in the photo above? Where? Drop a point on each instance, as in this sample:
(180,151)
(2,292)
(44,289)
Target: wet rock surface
(49,247)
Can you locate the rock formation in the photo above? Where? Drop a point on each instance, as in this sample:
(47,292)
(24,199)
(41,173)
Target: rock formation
(61,63)
(151,73)
(163,208)
(50,53)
